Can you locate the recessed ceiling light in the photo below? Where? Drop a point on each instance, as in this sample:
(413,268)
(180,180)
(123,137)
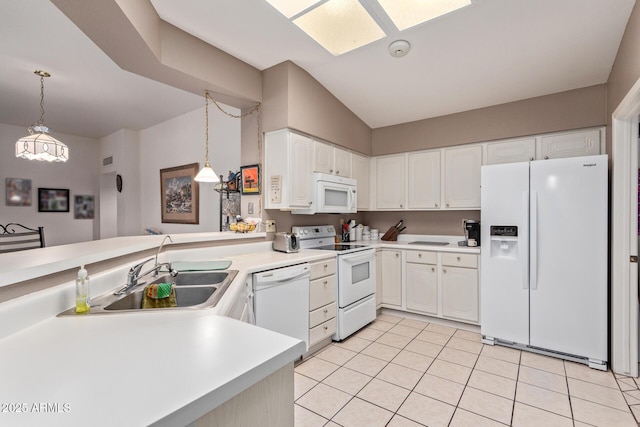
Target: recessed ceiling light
(291,8)
(340,26)
(407,13)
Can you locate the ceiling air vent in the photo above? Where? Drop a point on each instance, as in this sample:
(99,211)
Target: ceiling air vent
(107,161)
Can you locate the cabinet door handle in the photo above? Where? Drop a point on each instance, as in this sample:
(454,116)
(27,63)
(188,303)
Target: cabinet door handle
(325,283)
(436,205)
(433,269)
(326,327)
(330,170)
(326,266)
(447,204)
(397,255)
(326,311)
(458,258)
(419,255)
(546,157)
(401,206)
(444,270)
(530,158)
(337,172)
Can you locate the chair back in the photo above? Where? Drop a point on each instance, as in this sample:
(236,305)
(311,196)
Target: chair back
(16,237)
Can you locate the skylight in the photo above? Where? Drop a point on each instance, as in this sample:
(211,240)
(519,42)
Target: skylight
(344,25)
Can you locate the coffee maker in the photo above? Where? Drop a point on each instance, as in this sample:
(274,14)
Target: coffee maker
(471,232)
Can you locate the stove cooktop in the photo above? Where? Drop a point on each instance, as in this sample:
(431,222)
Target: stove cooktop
(340,247)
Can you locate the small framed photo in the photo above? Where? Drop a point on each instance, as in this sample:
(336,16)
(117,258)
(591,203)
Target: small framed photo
(250,179)
(83,207)
(179,194)
(18,192)
(53,200)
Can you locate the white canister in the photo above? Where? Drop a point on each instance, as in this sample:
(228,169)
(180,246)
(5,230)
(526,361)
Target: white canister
(358,233)
(374,234)
(352,235)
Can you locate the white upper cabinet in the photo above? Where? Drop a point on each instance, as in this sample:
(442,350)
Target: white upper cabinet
(390,182)
(462,177)
(423,181)
(511,151)
(287,170)
(360,171)
(342,162)
(331,160)
(572,144)
(322,157)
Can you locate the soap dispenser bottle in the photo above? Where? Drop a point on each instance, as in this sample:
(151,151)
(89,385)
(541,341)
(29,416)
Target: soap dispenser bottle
(82,291)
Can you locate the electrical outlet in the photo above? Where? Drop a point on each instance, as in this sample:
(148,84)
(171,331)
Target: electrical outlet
(270,226)
(250,208)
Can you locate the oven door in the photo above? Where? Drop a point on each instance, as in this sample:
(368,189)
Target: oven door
(356,276)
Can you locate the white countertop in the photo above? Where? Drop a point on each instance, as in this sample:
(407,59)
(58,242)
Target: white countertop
(140,368)
(135,369)
(18,266)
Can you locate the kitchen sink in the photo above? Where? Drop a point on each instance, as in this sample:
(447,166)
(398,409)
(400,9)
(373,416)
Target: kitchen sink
(430,243)
(194,290)
(187,296)
(191,278)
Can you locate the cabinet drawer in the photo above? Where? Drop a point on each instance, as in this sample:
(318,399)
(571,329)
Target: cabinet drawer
(322,292)
(422,257)
(323,268)
(322,314)
(322,331)
(460,260)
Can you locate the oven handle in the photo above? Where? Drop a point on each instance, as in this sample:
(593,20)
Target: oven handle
(352,199)
(355,258)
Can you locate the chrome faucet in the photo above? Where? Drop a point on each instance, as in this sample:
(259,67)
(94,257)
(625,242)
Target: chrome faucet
(134,272)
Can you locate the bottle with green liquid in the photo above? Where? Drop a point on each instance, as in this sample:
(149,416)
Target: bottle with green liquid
(82,291)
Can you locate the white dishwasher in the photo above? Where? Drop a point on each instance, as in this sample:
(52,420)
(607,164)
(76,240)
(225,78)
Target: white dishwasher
(281,300)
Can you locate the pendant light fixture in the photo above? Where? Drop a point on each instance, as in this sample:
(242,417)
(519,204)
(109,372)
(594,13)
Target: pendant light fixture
(39,145)
(206,174)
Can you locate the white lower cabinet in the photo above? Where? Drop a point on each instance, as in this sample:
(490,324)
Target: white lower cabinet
(391,277)
(439,284)
(422,282)
(378,279)
(322,301)
(460,299)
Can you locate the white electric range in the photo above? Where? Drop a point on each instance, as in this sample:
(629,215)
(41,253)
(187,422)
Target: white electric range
(356,288)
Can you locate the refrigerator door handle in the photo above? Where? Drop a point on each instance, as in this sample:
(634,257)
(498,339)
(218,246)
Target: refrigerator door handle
(533,236)
(523,241)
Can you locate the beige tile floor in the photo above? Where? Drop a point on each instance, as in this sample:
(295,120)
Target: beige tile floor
(401,372)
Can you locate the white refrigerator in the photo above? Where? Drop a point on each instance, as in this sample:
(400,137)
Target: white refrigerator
(544,257)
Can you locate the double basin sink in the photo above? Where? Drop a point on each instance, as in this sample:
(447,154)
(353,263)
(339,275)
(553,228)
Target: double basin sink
(194,290)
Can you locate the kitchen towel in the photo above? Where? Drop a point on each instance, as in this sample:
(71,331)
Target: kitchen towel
(159,295)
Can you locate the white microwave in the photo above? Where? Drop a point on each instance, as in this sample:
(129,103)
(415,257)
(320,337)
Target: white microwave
(331,194)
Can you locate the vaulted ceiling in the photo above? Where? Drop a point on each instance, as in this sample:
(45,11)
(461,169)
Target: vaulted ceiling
(492,52)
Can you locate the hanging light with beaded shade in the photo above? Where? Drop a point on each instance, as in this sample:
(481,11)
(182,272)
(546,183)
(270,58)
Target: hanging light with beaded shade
(39,145)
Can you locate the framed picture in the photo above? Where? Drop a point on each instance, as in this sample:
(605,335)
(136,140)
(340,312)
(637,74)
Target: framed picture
(53,200)
(83,207)
(250,179)
(179,194)
(18,192)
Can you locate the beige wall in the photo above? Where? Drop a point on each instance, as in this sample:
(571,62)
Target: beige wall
(626,68)
(293,99)
(573,109)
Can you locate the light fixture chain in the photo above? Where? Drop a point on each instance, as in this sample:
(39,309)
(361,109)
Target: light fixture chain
(255,108)
(206,127)
(41,100)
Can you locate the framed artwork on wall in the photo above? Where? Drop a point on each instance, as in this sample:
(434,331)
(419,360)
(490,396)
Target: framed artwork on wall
(179,194)
(83,207)
(18,192)
(53,200)
(250,176)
